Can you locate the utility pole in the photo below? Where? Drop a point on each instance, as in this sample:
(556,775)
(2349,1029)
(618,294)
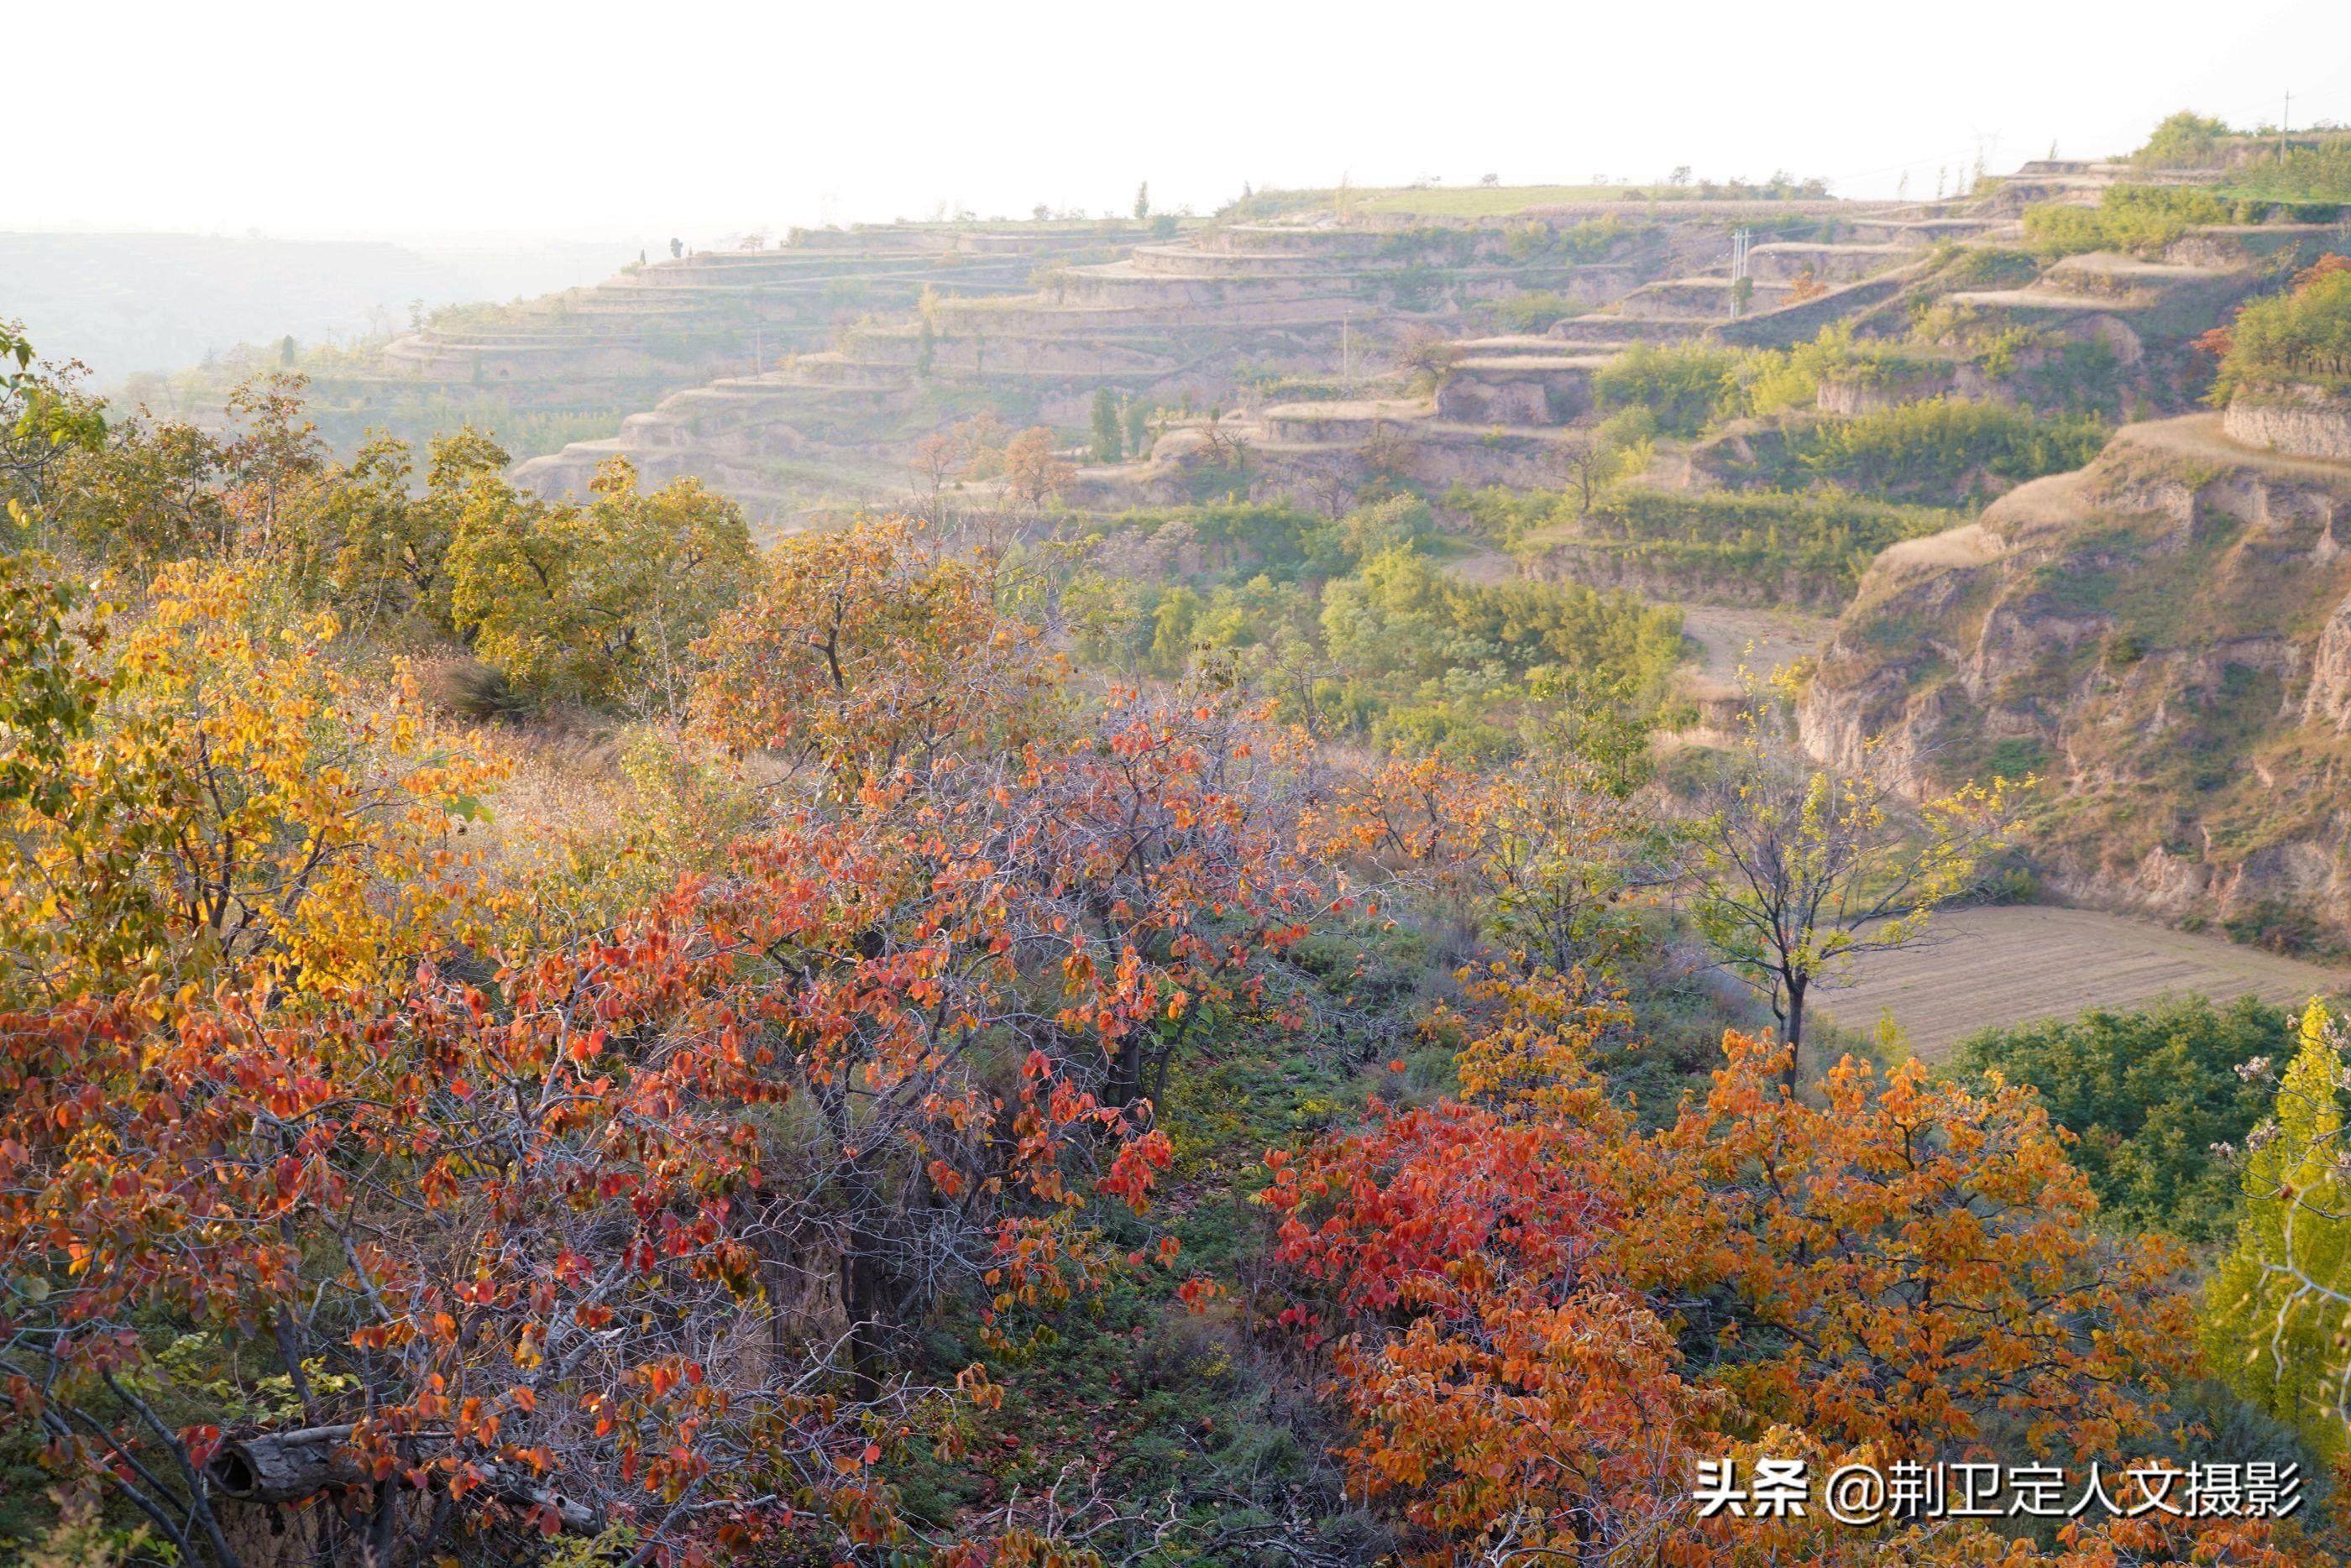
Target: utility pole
(2285,124)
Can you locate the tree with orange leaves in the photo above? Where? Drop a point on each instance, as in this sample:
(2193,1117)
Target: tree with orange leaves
(1549,852)
(287,1212)
(1538,1313)
(979,972)
(1904,1263)
(1513,1396)
(869,649)
(1034,472)
(447,1239)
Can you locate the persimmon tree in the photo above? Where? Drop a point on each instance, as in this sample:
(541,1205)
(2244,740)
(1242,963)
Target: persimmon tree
(936,457)
(619,1243)
(440,1263)
(216,793)
(1549,852)
(1904,1264)
(1513,1394)
(1034,472)
(1539,1314)
(860,652)
(982,972)
(1510,1396)
(992,917)
(602,602)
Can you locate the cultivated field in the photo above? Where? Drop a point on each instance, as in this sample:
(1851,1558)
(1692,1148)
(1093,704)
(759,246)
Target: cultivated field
(1985,967)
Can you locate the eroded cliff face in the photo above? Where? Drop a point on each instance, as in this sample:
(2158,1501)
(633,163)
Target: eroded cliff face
(2165,637)
(2306,422)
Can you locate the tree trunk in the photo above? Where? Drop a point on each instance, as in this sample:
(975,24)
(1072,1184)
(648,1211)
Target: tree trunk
(1125,1085)
(1796,987)
(861,1298)
(862,1275)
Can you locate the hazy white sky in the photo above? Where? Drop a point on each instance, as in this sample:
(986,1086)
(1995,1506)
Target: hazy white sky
(405,117)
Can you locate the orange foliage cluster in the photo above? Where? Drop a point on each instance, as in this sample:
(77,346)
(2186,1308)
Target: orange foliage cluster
(1539,1318)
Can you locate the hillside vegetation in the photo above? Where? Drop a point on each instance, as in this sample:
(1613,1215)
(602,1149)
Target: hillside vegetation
(1096,912)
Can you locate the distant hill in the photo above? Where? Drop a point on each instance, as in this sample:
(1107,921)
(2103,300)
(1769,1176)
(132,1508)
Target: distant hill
(123,303)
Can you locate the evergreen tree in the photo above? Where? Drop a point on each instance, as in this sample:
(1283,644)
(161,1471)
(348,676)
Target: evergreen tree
(1143,201)
(1108,446)
(2279,1306)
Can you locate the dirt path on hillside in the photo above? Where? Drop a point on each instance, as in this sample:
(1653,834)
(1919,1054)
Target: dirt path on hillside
(2201,436)
(1980,967)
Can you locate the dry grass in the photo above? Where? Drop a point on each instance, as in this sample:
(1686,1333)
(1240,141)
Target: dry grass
(1970,544)
(1763,640)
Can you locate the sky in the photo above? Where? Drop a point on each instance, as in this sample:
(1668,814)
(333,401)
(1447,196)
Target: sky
(632,122)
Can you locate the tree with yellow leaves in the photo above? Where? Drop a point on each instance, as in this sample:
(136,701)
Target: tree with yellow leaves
(600,602)
(208,790)
(2279,1306)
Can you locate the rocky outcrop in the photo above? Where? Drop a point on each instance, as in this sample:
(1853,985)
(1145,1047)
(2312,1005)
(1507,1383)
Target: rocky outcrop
(2304,421)
(2164,638)
(1518,389)
(2328,699)
(1849,398)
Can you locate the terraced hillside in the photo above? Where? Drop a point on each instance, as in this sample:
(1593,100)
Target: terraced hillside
(1309,331)
(1170,324)
(586,357)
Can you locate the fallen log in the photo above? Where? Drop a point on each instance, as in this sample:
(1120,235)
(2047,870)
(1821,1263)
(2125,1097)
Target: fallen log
(292,1467)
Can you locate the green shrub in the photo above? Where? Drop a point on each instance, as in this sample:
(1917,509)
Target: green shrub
(1685,387)
(2017,758)
(1534,311)
(1986,268)
(2148,1094)
(2310,169)
(2300,336)
(1773,381)
(1816,545)
(1355,620)
(2278,926)
(2185,140)
(2140,219)
(1940,441)
(2307,175)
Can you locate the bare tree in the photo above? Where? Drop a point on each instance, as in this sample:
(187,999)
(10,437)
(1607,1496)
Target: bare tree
(1798,868)
(935,456)
(1595,457)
